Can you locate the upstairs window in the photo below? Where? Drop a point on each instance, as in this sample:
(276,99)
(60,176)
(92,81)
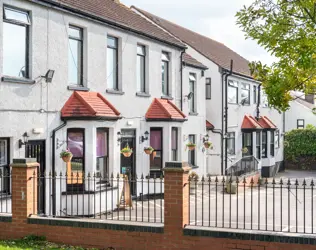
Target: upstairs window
(208,88)
(16,25)
(75,54)
(300,123)
(245,94)
(192,86)
(232,92)
(165,59)
(141,68)
(112,63)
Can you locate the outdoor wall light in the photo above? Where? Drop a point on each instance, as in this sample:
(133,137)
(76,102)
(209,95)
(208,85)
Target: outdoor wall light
(119,137)
(25,140)
(49,76)
(144,138)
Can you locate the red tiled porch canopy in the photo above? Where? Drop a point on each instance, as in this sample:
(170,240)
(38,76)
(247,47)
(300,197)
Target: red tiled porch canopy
(164,110)
(250,123)
(266,123)
(88,106)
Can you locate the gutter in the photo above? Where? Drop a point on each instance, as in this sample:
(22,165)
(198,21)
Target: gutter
(53,166)
(66,8)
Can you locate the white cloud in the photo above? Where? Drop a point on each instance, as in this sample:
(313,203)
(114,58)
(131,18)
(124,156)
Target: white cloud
(212,18)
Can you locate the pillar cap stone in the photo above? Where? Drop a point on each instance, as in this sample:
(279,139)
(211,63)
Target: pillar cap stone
(175,166)
(24,163)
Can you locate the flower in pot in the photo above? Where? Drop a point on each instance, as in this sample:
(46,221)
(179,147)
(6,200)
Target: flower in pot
(66,155)
(208,144)
(127,151)
(191,146)
(148,150)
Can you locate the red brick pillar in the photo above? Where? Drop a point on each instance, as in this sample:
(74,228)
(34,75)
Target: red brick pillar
(176,197)
(24,189)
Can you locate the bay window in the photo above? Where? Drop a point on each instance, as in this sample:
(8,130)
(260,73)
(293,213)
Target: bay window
(264,144)
(102,153)
(174,144)
(16,25)
(247,143)
(258,145)
(272,143)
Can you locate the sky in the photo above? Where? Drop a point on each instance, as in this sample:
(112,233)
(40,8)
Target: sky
(212,18)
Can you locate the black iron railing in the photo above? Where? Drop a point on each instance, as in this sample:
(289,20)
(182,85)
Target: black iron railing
(117,197)
(264,205)
(246,165)
(5,192)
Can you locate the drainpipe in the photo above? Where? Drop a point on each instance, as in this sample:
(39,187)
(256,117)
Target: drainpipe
(53,166)
(258,102)
(226,111)
(181,79)
(223,72)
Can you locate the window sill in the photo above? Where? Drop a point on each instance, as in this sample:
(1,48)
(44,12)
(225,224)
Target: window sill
(193,114)
(166,97)
(115,92)
(193,166)
(17,80)
(78,88)
(142,94)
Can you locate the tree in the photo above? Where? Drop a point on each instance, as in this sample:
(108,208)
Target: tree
(286,29)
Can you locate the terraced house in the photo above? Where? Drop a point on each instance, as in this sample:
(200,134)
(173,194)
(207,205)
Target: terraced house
(95,78)
(245,131)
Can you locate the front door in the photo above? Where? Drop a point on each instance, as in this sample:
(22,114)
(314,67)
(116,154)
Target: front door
(128,167)
(36,149)
(4,166)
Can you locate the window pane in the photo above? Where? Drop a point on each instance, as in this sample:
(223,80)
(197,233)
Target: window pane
(232,94)
(164,56)
(112,42)
(112,69)
(245,96)
(74,62)
(140,73)
(16,15)
(164,75)
(191,156)
(208,88)
(14,50)
(231,143)
(192,100)
(192,77)
(101,143)
(75,143)
(155,139)
(254,94)
(174,139)
(75,32)
(3,153)
(141,50)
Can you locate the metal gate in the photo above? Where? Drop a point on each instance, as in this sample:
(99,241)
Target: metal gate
(36,149)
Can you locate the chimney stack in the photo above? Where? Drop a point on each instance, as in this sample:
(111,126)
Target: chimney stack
(310,98)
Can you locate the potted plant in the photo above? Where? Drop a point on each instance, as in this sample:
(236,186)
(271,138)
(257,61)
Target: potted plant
(66,155)
(148,150)
(208,144)
(244,150)
(191,146)
(127,151)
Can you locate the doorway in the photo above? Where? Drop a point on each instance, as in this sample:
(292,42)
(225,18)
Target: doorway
(36,149)
(128,164)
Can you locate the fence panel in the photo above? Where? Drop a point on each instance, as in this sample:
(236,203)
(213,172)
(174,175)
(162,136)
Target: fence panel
(5,192)
(264,205)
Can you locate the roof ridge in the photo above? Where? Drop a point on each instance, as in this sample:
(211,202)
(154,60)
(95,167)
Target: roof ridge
(176,108)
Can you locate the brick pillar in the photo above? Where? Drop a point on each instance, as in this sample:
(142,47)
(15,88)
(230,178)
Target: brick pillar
(176,197)
(24,189)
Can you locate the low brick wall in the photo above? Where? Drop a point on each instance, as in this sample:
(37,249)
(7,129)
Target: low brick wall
(174,234)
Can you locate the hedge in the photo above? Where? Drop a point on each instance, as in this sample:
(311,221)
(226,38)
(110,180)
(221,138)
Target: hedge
(300,143)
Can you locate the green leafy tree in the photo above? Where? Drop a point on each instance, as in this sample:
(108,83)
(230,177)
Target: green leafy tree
(286,29)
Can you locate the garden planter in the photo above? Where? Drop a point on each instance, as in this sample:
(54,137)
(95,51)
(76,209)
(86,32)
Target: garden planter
(154,154)
(127,154)
(191,148)
(67,158)
(207,145)
(148,151)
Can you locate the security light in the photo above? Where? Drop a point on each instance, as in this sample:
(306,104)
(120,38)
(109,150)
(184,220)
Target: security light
(49,75)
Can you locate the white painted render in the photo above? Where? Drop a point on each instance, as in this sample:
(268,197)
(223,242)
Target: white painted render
(298,111)
(20,104)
